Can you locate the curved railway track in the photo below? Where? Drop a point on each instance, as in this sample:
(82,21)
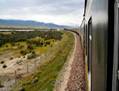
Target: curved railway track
(77,79)
(73,75)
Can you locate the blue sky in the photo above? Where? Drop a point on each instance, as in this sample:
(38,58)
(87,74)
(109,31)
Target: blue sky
(68,12)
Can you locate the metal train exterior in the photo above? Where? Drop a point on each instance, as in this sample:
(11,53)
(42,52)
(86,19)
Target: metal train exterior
(101,42)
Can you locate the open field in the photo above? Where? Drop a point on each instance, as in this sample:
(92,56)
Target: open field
(47,55)
(47,73)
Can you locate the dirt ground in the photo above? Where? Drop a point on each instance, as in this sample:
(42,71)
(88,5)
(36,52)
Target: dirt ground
(16,68)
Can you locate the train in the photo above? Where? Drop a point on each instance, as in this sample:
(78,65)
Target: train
(100,27)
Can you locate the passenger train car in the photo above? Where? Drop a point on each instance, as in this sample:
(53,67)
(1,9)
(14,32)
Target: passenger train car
(101,37)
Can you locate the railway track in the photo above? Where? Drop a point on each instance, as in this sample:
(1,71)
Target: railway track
(73,75)
(77,79)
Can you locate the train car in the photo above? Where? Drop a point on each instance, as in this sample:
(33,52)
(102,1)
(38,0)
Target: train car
(101,31)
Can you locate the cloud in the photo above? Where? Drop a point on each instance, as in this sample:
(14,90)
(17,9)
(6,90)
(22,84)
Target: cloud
(56,11)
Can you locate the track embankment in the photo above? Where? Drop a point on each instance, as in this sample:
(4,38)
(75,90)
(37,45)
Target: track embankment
(73,76)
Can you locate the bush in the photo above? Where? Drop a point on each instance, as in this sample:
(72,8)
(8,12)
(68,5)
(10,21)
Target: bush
(20,46)
(6,45)
(35,80)
(31,55)
(23,52)
(11,58)
(13,44)
(2,62)
(30,47)
(4,66)
(22,89)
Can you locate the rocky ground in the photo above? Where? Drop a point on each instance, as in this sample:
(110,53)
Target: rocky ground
(73,76)
(77,79)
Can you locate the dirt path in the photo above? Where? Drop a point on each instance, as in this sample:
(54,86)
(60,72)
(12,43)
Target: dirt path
(72,77)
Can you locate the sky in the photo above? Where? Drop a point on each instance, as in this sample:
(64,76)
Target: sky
(63,12)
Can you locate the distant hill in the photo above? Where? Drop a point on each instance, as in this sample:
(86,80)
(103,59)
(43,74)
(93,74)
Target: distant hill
(5,22)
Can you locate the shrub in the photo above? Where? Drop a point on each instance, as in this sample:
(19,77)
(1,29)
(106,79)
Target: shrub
(30,47)
(35,80)
(11,58)
(23,52)
(4,66)
(21,89)
(31,55)
(2,62)
(20,46)
(6,45)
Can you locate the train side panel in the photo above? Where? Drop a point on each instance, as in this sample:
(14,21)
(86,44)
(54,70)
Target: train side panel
(96,21)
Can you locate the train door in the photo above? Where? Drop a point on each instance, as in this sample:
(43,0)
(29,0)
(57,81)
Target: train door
(115,82)
(90,51)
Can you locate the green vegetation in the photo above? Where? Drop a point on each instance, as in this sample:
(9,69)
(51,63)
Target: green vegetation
(16,36)
(24,42)
(55,47)
(45,76)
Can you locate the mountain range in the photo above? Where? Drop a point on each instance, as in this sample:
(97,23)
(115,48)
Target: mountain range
(10,22)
